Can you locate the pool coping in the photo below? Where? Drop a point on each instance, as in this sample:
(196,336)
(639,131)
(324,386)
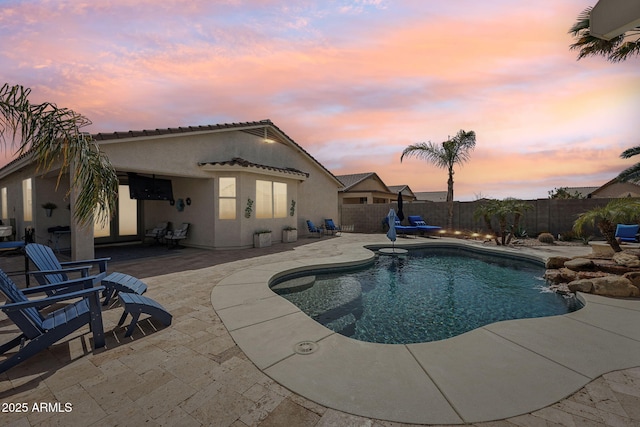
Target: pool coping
(497,371)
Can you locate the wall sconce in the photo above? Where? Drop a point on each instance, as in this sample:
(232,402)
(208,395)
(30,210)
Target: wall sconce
(172,202)
(266,137)
(188,201)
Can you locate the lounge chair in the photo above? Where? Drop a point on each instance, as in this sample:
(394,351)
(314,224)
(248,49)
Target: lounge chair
(402,229)
(39,330)
(52,271)
(331,227)
(418,222)
(158,232)
(627,233)
(314,230)
(173,237)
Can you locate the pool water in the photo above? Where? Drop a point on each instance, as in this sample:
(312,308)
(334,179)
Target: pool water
(428,295)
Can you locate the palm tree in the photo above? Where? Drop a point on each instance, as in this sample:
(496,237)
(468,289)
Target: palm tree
(617,211)
(632,173)
(446,155)
(52,136)
(615,50)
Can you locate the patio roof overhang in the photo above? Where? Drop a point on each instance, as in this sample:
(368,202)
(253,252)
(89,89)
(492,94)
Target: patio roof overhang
(611,18)
(241,165)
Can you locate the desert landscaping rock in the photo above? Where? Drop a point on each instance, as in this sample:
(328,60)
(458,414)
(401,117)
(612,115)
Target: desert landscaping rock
(626,259)
(556,262)
(578,264)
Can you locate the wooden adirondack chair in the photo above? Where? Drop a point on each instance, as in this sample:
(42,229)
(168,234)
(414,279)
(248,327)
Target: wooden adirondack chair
(39,330)
(53,271)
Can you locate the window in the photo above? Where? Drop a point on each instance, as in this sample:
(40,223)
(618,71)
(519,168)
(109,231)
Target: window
(271,199)
(3,196)
(227,198)
(27,199)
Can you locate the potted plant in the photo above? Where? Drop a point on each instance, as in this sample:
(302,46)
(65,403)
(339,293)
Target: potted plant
(289,234)
(262,238)
(49,207)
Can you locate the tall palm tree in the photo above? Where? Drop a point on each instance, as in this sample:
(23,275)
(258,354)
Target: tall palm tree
(446,155)
(52,136)
(617,211)
(615,50)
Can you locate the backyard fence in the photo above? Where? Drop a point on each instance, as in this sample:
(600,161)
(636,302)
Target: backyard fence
(555,216)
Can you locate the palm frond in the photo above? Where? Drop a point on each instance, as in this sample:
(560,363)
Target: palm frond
(630,152)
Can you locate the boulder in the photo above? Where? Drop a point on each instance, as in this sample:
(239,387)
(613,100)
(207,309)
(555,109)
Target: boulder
(582,285)
(626,259)
(614,286)
(590,274)
(578,264)
(633,277)
(553,276)
(556,262)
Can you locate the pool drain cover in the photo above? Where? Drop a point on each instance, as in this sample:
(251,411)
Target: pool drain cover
(305,347)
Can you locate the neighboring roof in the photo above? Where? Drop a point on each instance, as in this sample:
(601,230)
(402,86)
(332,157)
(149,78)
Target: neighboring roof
(400,188)
(615,181)
(242,163)
(581,191)
(350,181)
(432,196)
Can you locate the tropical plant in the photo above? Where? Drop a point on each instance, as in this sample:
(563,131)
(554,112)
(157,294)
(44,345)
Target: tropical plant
(51,135)
(446,155)
(615,50)
(564,193)
(605,218)
(631,174)
(507,212)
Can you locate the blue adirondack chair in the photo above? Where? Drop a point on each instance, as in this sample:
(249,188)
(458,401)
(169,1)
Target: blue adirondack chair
(53,271)
(313,229)
(39,330)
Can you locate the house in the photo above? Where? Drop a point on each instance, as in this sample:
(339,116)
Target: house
(227,181)
(432,196)
(616,189)
(364,188)
(407,194)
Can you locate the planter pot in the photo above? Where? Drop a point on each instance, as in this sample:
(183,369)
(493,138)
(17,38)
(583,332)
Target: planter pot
(48,212)
(261,240)
(289,236)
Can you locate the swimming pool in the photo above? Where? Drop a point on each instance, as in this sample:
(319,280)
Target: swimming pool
(429,295)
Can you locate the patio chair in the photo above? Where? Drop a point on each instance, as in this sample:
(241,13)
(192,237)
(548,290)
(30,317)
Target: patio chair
(51,271)
(402,229)
(421,225)
(173,237)
(331,227)
(315,231)
(158,232)
(627,233)
(38,330)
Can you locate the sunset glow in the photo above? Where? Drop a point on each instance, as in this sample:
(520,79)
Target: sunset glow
(353,82)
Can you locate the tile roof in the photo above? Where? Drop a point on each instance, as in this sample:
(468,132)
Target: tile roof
(237,161)
(350,180)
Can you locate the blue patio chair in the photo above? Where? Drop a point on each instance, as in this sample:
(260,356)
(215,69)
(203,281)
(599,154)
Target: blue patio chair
(52,271)
(313,229)
(331,227)
(421,225)
(627,233)
(402,229)
(38,330)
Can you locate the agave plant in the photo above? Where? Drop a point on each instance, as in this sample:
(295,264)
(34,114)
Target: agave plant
(605,218)
(52,136)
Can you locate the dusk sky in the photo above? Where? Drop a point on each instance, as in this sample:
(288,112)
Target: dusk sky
(353,82)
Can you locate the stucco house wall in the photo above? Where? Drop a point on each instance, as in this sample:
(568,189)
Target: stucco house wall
(194,159)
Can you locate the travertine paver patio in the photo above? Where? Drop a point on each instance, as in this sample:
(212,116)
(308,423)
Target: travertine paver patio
(193,373)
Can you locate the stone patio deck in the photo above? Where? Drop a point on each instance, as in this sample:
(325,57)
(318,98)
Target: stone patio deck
(194,373)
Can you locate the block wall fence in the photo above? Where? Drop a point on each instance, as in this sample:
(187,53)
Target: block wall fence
(547,215)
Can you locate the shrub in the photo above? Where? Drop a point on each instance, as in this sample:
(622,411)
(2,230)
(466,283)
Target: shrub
(546,238)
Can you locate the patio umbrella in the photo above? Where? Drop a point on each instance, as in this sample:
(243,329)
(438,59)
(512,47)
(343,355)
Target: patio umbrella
(391,234)
(400,213)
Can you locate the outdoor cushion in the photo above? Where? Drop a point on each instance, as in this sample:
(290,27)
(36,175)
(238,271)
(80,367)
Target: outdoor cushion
(627,233)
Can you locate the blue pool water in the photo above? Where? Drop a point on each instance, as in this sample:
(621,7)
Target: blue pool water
(429,295)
